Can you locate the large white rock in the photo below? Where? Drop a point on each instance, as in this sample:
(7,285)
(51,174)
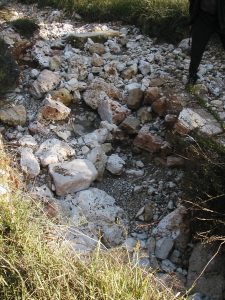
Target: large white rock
(73,176)
(96,137)
(46,81)
(29,163)
(197,119)
(115,164)
(54,151)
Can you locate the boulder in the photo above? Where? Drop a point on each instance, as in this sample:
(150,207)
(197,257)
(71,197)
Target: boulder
(115,164)
(15,115)
(54,110)
(148,141)
(46,82)
(54,151)
(135,95)
(73,176)
(112,111)
(29,163)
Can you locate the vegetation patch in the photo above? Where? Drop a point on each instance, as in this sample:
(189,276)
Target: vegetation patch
(25,27)
(35,265)
(165,19)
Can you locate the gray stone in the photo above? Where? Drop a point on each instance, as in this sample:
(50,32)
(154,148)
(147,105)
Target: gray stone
(163,247)
(46,81)
(15,115)
(135,95)
(54,151)
(115,164)
(29,163)
(73,176)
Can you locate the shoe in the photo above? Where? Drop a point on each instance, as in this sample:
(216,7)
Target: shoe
(192,79)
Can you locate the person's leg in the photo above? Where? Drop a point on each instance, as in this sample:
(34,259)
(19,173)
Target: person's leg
(222,38)
(202,30)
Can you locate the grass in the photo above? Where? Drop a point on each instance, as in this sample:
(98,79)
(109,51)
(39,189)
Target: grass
(34,265)
(166,19)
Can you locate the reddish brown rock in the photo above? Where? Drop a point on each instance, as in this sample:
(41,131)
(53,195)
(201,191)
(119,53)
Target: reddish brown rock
(152,94)
(160,106)
(54,110)
(112,111)
(148,141)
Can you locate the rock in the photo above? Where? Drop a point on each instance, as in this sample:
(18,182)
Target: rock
(94,97)
(130,243)
(62,95)
(151,244)
(29,163)
(55,63)
(148,141)
(112,111)
(184,44)
(151,94)
(135,95)
(98,136)
(176,226)
(174,161)
(37,128)
(97,48)
(163,247)
(197,119)
(212,281)
(96,60)
(115,164)
(159,106)
(15,115)
(97,207)
(78,40)
(54,110)
(146,213)
(46,82)
(144,67)
(73,176)
(42,192)
(9,70)
(27,141)
(167,266)
(130,72)
(144,114)
(198,296)
(54,151)
(130,125)
(98,157)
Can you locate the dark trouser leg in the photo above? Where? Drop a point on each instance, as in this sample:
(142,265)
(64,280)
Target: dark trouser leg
(202,30)
(222,37)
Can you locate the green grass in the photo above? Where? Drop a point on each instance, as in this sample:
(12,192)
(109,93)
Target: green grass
(35,266)
(166,19)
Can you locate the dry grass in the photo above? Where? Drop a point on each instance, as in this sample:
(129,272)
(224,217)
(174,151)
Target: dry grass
(34,265)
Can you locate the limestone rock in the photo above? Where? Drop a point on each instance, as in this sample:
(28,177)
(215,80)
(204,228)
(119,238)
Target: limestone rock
(115,164)
(197,119)
(163,247)
(54,110)
(62,95)
(15,115)
(97,60)
(29,163)
(112,111)
(212,281)
(28,141)
(73,176)
(144,67)
(97,48)
(53,151)
(46,81)
(135,95)
(130,72)
(98,157)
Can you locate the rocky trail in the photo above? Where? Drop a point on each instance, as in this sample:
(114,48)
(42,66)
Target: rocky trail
(89,125)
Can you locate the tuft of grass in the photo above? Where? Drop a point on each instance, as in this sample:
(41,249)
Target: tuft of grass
(25,27)
(34,265)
